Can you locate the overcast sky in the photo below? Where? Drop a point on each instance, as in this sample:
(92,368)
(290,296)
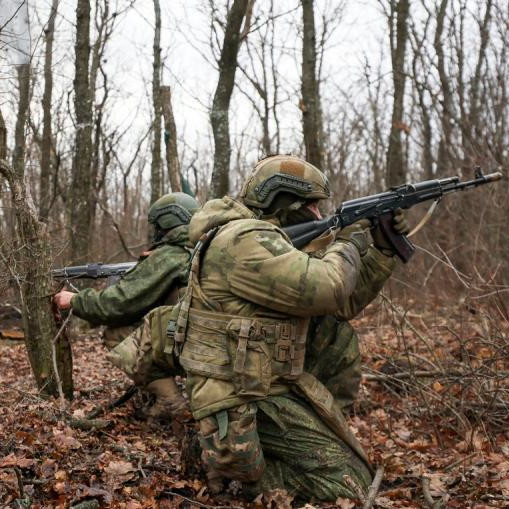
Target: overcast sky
(188,64)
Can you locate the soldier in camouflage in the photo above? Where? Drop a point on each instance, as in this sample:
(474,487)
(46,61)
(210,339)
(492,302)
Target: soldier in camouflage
(267,377)
(153,282)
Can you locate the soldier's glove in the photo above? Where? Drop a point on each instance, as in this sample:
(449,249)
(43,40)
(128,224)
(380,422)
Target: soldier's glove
(400,225)
(358,234)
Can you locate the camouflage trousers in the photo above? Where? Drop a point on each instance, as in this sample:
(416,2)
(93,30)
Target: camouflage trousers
(112,336)
(281,442)
(145,354)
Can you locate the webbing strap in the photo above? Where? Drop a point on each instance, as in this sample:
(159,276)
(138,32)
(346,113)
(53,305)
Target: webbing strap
(222,423)
(192,282)
(240,356)
(206,368)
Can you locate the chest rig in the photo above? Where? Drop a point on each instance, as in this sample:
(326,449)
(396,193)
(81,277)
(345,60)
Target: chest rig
(257,355)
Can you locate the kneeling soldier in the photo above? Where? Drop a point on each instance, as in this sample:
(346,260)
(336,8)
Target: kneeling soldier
(154,281)
(257,377)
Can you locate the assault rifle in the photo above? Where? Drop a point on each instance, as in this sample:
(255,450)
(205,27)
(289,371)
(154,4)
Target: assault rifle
(379,208)
(93,270)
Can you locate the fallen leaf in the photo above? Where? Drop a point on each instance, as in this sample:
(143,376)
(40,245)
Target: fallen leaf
(344,503)
(13,461)
(11,334)
(60,475)
(504,486)
(60,487)
(119,468)
(48,467)
(65,439)
(436,484)
(94,492)
(438,387)
(278,499)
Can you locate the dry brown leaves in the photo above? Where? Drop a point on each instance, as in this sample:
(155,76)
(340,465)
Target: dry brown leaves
(417,428)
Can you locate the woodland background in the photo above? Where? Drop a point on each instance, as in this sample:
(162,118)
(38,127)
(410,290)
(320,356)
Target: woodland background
(91,134)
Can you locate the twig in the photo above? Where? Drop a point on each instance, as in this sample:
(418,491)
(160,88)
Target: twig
(403,317)
(355,488)
(54,359)
(373,489)
(140,467)
(128,394)
(125,247)
(488,497)
(83,424)
(199,504)
(452,466)
(403,375)
(432,504)
(19,477)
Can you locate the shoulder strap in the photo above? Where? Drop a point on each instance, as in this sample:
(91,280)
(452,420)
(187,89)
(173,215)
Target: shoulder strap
(193,287)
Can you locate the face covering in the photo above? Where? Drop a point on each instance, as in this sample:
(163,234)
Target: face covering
(300,215)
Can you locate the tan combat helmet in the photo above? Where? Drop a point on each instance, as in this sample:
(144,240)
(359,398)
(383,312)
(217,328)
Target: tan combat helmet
(283,174)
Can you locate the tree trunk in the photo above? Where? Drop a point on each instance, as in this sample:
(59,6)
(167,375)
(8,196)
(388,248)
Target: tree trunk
(103,29)
(219,114)
(81,164)
(156,173)
(3,138)
(170,138)
(33,246)
(310,105)
(44,197)
(475,122)
(396,169)
(445,155)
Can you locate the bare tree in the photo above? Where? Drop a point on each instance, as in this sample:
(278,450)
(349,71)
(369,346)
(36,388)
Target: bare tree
(398,32)
(50,355)
(310,104)
(445,152)
(156,175)
(219,114)
(82,159)
(47,142)
(170,138)
(3,138)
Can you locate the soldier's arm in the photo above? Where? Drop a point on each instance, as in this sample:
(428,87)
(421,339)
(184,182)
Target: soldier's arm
(374,271)
(137,292)
(272,273)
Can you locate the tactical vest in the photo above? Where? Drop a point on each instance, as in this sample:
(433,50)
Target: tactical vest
(256,355)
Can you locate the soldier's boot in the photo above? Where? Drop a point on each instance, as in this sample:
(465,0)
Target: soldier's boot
(169,403)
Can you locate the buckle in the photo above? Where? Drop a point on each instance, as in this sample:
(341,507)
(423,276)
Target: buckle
(284,350)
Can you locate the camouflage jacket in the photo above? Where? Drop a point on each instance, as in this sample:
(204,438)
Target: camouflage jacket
(141,289)
(250,269)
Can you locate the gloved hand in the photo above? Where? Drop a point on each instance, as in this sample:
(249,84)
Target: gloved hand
(400,225)
(358,234)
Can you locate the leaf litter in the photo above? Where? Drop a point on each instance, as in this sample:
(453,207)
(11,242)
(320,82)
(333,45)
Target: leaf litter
(448,429)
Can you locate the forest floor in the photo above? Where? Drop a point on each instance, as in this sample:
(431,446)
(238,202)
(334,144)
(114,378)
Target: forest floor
(432,410)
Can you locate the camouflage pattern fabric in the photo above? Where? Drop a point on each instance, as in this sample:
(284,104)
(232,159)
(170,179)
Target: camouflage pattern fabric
(250,269)
(230,442)
(302,454)
(332,337)
(112,336)
(332,356)
(141,289)
(146,354)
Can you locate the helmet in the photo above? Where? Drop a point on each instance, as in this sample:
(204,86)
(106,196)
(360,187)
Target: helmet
(171,210)
(283,174)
